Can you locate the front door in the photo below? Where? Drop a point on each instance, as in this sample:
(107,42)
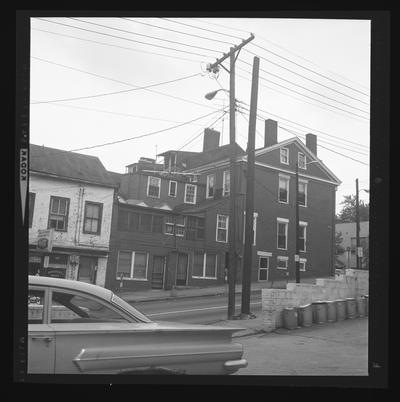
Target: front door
(87,269)
(181,269)
(157,277)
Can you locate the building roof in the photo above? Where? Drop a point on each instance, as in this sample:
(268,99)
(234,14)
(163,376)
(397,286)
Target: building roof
(145,204)
(116,177)
(214,155)
(69,165)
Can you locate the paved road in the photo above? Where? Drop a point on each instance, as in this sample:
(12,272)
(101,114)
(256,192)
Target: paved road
(194,310)
(331,349)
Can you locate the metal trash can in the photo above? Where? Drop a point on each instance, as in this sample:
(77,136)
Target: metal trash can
(351,308)
(319,312)
(361,306)
(290,318)
(305,316)
(341,310)
(331,313)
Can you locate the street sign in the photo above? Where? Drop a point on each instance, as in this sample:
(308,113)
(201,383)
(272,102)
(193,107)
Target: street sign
(45,240)
(359,251)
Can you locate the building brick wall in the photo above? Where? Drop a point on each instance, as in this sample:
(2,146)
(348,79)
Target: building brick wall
(354,284)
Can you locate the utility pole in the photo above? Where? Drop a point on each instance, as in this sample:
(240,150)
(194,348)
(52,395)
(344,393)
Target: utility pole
(297,255)
(233,191)
(249,232)
(357,227)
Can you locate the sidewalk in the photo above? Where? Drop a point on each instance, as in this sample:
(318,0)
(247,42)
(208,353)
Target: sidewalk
(134,296)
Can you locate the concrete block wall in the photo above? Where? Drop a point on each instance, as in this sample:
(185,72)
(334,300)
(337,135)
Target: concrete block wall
(274,301)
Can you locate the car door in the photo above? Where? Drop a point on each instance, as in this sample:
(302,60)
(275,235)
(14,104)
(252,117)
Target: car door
(41,337)
(87,330)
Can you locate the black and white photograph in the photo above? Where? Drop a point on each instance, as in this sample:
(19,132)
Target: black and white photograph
(194,196)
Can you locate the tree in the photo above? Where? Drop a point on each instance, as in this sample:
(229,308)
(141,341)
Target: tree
(348,211)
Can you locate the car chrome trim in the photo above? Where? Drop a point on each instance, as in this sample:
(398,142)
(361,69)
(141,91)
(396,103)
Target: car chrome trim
(236,364)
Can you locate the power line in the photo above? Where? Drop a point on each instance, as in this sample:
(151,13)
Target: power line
(313,71)
(173,30)
(117,92)
(310,97)
(203,29)
(146,36)
(201,132)
(307,127)
(301,100)
(121,37)
(117,46)
(310,90)
(136,137)
(126,83)
(118,113)
(285,49)
(329,149)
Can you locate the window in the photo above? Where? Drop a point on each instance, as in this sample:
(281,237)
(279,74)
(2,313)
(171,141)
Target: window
(303,193)
(282,262)
(222,228)
(205,265)
(158,221)
(210,186)
(301,160)
(128,221)
(263,265)
(72,308)
(92,219)
(302,264)
(302,236)
(190,193)
(153,187)
(226,183)
(284,154)
(283,189)
(194,228)
(172,188)
(35,306)
(58,217)
(180,226)
(132,265)
(169,225)
(282,233)
(145,222)
(32,197)
(255,215)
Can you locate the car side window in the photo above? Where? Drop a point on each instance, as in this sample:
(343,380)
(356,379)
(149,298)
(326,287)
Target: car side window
(35,306)
(73,308)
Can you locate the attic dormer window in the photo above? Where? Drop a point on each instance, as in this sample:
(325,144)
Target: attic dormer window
(284,154)
(153,186)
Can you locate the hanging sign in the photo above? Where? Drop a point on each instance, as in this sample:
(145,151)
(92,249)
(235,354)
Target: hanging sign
(45,240)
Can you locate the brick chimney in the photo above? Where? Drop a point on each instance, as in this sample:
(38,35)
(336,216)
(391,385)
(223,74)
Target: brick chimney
(311,143)
(211,139)
(271,133)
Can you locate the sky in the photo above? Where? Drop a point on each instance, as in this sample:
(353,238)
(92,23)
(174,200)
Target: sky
(97,81)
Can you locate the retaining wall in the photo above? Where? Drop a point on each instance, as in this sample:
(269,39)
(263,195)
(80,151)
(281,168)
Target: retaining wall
(354,284)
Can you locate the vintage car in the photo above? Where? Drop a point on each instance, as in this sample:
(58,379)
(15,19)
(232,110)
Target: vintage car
(79,328)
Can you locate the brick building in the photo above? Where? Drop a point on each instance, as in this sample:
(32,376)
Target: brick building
(170,221)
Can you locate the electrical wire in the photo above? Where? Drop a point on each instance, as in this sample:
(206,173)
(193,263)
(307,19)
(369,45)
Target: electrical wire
(202,29)
(127,83)
(310,97)
(146,36)
(173,30)
(117,92)
(121,37)
(287,50)
(117,46)
(307,89)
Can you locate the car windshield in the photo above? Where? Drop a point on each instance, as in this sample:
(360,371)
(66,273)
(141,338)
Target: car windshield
(127,307)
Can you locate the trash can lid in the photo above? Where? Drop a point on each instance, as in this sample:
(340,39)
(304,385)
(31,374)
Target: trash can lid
(350,298)
(305,305)
(319,302)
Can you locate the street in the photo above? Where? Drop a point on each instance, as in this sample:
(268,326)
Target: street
(332,349)
(194,310)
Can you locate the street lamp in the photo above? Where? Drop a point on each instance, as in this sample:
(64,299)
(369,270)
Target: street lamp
(211,95)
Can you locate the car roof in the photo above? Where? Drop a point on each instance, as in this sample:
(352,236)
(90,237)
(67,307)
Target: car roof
(71,285)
